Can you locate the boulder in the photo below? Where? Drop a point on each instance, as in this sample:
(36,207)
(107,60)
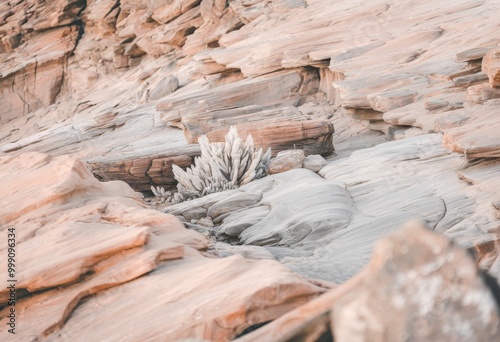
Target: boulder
(491,67)
(314,162)
(286,160)
(410,290)
(481,93)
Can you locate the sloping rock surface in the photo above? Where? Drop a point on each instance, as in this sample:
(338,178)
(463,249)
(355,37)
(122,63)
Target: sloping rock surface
(78,237)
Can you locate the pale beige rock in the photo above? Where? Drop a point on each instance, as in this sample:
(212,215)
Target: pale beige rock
(233,203)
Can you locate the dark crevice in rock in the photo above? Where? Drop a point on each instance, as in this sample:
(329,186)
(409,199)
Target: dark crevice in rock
(251,328)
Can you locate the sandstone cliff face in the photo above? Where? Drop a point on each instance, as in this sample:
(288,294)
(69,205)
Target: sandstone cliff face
(120,90)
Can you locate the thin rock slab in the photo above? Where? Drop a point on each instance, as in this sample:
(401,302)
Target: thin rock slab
(142,172)
(478,136)
(292,88)
(278,128)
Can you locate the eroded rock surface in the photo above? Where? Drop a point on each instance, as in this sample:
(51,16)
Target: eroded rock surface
(78,237)
(417,285)
(313,224)
(125,89)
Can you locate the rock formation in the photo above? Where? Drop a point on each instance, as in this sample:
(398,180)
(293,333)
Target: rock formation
(78,237)
(385,301)
(390,109)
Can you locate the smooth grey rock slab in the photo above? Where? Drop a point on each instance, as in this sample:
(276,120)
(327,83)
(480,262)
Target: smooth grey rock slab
(234,202)
(304,208)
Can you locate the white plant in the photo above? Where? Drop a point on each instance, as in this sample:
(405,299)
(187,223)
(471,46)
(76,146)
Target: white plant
(221,166)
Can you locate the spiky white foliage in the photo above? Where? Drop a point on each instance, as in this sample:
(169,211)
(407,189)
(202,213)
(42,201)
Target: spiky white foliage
(221,166)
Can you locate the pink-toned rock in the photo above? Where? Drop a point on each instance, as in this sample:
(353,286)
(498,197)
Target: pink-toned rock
(482,92)
(175,8)
(475,137)
(425,268)
(36,70)
(55,13)
(491,67)
(280,129)
(218,298)
(142,172)
(85,224)
(85,237)
(290,87)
